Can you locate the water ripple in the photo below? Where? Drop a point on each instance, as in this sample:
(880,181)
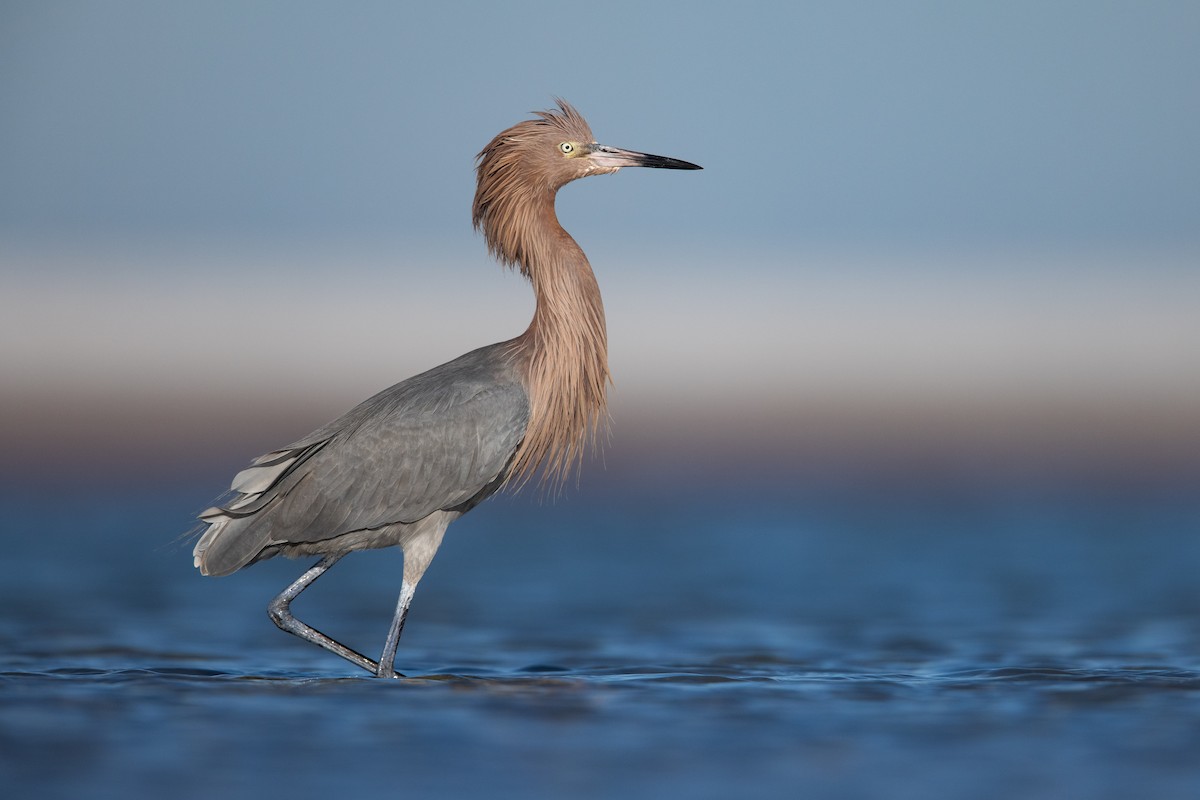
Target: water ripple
(1015,679)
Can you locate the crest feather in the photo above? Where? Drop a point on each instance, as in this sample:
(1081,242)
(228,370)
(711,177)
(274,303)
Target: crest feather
(514,169)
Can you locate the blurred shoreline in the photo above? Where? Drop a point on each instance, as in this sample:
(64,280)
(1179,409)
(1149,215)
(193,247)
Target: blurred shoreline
(122,363)
(55,440)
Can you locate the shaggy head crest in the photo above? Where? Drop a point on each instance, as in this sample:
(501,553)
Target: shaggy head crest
(528,162)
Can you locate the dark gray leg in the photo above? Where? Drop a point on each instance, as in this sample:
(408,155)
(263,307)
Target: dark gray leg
(281,615)
(388,659)
(418,552)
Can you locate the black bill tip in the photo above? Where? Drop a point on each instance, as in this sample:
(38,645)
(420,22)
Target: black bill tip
(662,162)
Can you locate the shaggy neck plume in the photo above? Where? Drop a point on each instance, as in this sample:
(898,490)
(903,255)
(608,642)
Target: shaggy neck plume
(565,349)
(566,352)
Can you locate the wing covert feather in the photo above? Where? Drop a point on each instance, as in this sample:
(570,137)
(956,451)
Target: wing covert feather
(434,441)
(402,466)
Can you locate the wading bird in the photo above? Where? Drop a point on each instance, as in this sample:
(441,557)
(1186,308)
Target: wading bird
(401,466)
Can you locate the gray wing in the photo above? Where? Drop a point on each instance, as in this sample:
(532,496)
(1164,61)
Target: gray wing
(435,441)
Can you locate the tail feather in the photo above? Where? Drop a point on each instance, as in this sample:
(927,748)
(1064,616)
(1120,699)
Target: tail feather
(233,538)
(228,545)
(257,479)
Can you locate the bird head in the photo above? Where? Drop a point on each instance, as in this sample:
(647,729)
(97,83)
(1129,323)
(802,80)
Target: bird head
(529,162)
(555,148)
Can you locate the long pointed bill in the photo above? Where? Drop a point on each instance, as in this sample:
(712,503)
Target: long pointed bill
(615,158)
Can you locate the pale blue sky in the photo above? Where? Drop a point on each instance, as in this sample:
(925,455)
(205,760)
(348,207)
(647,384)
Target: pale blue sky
(870,123)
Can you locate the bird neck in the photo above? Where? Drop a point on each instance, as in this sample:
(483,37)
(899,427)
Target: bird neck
(565,350)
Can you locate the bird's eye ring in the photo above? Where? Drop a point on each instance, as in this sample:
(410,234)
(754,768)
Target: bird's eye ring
(566,147)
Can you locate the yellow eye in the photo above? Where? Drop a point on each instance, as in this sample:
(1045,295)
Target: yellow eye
(567,148)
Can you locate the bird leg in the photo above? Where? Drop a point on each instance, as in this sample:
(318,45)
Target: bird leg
(388,658)
(418,553)
(280,612)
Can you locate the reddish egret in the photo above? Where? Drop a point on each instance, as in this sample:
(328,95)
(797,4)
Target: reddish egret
(401,466)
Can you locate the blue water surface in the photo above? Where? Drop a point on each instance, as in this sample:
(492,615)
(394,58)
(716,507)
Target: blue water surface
(623,641)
